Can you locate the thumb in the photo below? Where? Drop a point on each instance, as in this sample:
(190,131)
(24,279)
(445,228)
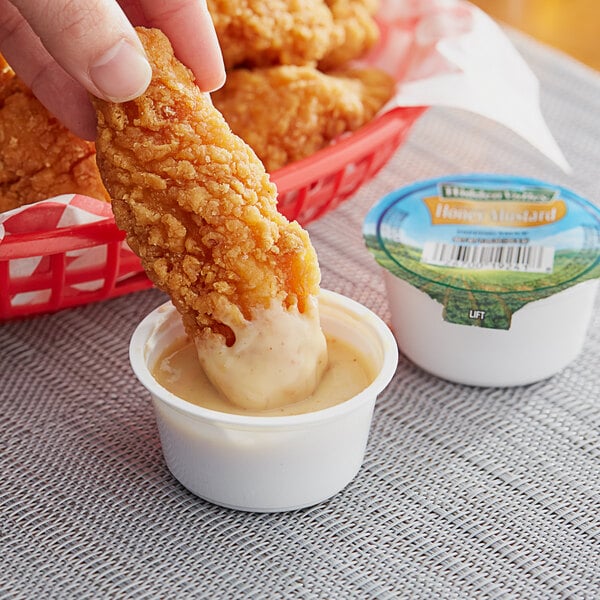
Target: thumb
(94,42)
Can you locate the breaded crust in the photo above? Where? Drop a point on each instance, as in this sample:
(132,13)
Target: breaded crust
(354,33)
(39,157)
(272,32)
(287,113)
(197,205)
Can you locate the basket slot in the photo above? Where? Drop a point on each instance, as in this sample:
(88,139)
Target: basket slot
(28,283)
(295,207)
(54,284)
(327,202)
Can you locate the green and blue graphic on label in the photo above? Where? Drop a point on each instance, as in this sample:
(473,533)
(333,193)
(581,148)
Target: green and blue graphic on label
(485,245)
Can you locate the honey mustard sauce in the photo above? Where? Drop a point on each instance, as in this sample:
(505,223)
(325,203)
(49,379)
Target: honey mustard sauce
(347,373)
(278,357)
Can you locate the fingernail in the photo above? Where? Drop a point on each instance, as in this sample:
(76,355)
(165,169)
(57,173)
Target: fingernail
(122,73)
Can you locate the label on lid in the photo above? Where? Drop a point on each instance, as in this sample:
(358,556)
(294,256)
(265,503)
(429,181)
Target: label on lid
(485,245)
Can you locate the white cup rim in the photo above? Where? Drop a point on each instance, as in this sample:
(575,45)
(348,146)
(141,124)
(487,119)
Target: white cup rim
(160,314)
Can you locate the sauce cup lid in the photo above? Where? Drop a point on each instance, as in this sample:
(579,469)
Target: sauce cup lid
(485,245)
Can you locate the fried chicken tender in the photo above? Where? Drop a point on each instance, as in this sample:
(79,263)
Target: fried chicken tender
(39,157)
(354,33)
(287,113)
(200,211)
(272,32)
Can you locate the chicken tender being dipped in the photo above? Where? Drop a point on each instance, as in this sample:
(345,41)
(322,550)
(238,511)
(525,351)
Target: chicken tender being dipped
(200,211)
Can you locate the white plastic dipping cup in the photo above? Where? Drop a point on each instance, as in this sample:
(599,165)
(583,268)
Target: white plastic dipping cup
(267,464)
(545,336)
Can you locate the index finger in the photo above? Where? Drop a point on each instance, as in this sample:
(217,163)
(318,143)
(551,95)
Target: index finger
(190,29)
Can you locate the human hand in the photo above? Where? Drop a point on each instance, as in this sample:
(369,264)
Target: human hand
(63,49)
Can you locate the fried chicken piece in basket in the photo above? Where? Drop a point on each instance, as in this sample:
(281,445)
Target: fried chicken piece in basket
(355,31)
(200,211)
(272,32)
(287,113)
(39,157)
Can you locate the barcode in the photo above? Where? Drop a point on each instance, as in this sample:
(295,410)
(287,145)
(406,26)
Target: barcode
(502,257)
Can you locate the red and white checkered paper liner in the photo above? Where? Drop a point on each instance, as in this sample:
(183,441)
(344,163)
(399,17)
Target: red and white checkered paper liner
(60,212)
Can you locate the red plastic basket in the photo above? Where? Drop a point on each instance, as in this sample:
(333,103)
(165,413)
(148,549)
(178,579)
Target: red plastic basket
(308,189)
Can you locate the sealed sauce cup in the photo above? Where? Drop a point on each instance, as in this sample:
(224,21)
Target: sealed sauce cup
(491,279)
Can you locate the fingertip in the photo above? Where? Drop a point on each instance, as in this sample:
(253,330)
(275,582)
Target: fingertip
(208,66)
(190,29)
(121,73)
(213,82)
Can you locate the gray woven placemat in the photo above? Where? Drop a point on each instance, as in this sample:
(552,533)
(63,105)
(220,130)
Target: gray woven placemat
(465,492)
